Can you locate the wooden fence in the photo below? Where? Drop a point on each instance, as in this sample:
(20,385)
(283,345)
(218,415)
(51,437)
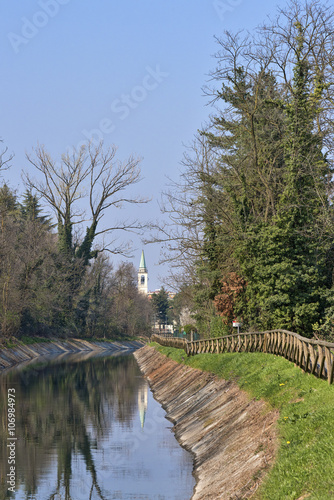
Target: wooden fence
(313,356)
(170,341)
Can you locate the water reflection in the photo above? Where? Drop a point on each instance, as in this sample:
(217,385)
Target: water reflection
(90,430)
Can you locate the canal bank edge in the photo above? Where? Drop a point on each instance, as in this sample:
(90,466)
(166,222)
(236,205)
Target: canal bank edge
(10,357)
(232,438)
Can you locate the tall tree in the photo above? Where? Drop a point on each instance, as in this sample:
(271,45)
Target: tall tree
(93,171)
(288,275)
(266,205)
(160,303)
(93,175)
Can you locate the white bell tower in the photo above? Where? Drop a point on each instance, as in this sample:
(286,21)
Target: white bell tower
(142,275)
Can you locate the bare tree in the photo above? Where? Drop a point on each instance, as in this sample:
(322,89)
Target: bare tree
(5,159)
(188,203)
(95,175)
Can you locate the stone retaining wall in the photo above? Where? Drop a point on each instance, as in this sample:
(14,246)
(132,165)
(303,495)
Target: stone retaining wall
(232,438)
(12,356)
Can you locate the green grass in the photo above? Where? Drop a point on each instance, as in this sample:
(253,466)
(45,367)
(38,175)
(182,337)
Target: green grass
(9,343)
(26,340)
(305,460)
(120,338)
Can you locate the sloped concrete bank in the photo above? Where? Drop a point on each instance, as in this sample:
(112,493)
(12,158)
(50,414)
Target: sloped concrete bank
(232,438)
(21,353)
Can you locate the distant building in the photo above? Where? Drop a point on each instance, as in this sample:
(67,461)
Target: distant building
(143,288)
(171,295)
(143,275)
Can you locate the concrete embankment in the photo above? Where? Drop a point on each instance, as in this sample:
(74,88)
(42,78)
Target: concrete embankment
(23,353)
(232,438)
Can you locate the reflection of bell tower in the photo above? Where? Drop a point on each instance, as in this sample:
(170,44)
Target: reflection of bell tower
(142,275)
(142,402)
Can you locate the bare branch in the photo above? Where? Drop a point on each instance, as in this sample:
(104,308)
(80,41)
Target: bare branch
(92,173)
(4,159)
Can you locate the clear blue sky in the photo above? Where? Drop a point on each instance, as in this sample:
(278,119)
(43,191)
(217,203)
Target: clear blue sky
(128,71)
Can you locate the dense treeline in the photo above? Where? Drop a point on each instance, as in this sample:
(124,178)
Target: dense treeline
(54,280)
(253,215)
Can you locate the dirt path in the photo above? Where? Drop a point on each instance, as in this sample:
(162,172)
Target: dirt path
(233,439)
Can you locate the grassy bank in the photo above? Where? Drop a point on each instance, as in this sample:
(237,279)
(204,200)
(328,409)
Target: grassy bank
(305,460)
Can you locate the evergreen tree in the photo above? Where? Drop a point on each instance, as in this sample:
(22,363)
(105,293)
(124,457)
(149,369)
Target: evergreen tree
(8,202)
(160,303)
(31,210)
(245,185)
(287,274)
(265,198)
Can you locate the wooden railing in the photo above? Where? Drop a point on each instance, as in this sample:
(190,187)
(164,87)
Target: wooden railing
(313,356)
(170,341)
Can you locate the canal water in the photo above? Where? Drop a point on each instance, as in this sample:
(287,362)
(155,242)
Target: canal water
(87,427)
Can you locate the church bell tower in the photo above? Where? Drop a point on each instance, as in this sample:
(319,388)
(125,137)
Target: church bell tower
(142,275)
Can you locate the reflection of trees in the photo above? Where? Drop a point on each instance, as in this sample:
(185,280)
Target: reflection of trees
(57,407)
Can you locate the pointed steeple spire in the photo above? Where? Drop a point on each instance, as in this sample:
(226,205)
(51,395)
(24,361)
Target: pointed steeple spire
(142,265)
(142,275)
